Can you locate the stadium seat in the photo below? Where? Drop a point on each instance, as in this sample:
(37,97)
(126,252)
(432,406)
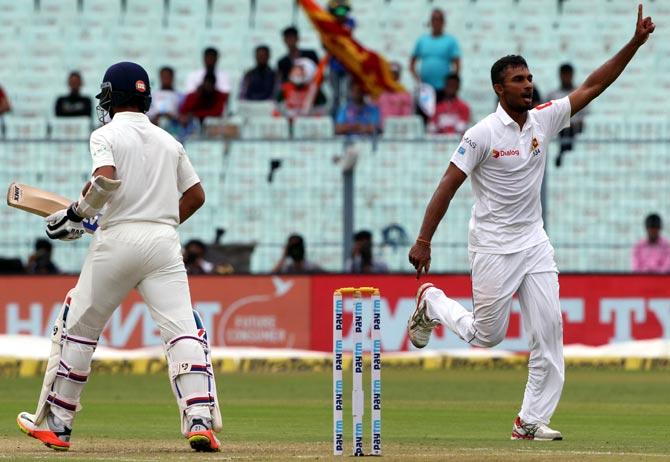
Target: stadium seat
(313,128)
(265,128)
(408,127)
(247,109)
(70,128)
(25,128)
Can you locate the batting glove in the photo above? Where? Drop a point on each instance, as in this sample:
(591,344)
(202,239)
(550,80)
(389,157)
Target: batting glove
(65,224)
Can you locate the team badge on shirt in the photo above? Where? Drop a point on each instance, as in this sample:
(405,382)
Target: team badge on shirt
(535,147)
(461,150)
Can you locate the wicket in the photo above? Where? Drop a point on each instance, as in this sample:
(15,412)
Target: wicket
(357,395)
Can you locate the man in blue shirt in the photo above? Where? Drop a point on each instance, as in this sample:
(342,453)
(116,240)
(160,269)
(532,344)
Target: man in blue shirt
(357,117)
(439,54)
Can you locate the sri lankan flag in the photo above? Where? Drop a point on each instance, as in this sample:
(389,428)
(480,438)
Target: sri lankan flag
(369,68)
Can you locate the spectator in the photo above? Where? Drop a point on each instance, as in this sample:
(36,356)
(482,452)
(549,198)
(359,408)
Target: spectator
(74,104)
(4,102)
(259,83)
(194,258)
(293,260)
(206,101)
(452,114)
(293,95)
(652,255)
(40,261)
(165,101)
(566,136)
(439,54)
(398,103)
(362,260)
(357,117)
(285,64)
(195,78)
(338,74)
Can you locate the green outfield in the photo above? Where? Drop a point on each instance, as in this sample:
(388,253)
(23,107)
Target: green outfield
(435,415)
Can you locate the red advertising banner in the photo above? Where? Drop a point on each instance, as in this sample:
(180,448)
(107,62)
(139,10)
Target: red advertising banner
(296,312)
(597,309)
(241,311)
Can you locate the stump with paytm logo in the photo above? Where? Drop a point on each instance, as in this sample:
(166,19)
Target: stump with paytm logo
(357,396)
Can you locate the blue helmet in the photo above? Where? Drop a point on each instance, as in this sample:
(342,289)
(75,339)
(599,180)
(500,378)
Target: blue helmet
(124,83)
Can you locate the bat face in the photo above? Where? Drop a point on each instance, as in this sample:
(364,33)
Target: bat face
(43,203)
(35,200)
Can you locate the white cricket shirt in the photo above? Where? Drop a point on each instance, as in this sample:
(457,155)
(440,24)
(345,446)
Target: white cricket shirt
(506,166)
(152,166)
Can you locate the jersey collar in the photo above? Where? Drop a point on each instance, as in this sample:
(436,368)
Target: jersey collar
(507,120)
(503,116)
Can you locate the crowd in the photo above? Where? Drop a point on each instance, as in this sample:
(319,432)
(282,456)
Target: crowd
(301,83)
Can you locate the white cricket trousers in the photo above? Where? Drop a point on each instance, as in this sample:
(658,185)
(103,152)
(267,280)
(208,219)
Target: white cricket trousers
(531,273)
(145,256)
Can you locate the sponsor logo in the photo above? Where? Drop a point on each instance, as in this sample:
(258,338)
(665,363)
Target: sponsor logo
(339,435)
(339,399)
(535,147)
(542,106)
(470,143)
(376,436)
(17,193)
(140,86)
(461,150)
(358,358)
(377,395)
(504,153)
(358,440)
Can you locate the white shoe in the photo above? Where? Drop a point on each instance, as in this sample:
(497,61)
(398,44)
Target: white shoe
(419,326)
(52,432)
(536,432)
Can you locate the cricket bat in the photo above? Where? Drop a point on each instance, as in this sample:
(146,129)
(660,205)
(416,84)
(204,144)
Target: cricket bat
(43,203)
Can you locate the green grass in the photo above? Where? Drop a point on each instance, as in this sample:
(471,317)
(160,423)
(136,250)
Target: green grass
(438,415)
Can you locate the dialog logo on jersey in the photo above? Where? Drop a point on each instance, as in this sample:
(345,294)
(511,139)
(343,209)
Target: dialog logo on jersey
(535,147)
(503,153)
(140,86)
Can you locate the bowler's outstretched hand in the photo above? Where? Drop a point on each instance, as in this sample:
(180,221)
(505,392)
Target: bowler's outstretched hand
(645,26)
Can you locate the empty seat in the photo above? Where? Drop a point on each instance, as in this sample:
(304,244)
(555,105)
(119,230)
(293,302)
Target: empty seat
(70,128)
(408,127)
(265,128)
(313,128)
(26,128)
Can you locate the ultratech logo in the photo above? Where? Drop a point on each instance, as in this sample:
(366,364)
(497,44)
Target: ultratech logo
(503,153)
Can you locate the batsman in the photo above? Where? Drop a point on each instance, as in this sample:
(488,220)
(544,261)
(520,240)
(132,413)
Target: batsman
(147,186)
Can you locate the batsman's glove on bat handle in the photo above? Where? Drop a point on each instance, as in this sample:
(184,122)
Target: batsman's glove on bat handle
(65,224)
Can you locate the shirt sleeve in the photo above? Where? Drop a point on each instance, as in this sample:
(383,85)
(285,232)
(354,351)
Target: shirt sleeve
(455,49)
(472,149)
(101,151)
(417,49)
(553,116)
(186,176)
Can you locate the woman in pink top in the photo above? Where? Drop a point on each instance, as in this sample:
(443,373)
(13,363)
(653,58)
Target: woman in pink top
(395,103)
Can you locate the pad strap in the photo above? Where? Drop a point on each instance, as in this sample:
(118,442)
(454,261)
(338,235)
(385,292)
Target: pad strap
(57,400)
(68,373)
